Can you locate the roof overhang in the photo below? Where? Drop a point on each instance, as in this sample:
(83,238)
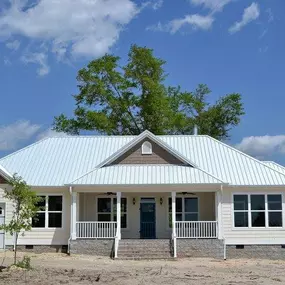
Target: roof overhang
(4,173)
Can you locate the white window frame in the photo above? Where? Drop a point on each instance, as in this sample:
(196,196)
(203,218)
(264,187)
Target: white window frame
(47,212)
(147,145)
(113,213)
(183,208)
(250,227)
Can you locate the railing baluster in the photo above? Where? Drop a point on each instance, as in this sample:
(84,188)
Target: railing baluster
(197,229)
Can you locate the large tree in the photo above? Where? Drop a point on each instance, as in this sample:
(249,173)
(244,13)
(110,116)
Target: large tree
(129,99)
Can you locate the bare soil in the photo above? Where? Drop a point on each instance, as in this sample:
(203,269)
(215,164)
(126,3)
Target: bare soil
(62,269)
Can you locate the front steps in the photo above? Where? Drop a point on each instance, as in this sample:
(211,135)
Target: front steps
(137,249)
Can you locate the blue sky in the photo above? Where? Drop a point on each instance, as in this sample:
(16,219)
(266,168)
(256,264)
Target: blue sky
(231,45)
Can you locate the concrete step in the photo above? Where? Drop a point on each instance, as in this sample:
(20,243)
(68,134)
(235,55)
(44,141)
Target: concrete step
(144,249)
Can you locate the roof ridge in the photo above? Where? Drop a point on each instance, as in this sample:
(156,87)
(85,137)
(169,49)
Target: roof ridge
(24,148)
(271,161)
(244,154)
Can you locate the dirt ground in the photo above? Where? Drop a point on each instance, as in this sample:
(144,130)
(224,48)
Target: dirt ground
(62,269)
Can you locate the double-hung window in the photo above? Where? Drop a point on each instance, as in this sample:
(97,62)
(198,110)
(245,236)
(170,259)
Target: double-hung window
(257,210)
(107,210)
(50,213)
(186,209)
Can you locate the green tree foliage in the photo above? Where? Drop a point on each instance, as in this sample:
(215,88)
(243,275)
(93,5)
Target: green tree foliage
(129,99)
(25,207)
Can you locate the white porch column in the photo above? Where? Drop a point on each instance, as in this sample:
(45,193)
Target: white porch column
(218,200)
(73,215)
(119,195)
(173,210)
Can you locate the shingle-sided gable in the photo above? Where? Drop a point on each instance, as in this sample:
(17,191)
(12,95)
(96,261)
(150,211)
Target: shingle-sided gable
(158,155)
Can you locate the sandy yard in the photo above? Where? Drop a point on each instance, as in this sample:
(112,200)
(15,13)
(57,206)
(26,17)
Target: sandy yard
(62,269)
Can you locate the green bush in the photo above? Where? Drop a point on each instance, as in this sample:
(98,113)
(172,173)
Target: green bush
(25,263)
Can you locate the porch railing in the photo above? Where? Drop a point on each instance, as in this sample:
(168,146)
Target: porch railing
(96,229)
(200,229)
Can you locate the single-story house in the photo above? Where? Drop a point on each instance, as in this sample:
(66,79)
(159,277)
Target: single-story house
(149,196)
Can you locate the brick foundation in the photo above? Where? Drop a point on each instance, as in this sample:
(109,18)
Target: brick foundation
(39,248)
(213,248)
(275,252)
(92,247)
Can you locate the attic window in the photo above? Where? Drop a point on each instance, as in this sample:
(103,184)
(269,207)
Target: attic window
(146,148)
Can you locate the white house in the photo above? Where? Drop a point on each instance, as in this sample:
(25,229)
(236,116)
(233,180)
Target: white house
(110,194)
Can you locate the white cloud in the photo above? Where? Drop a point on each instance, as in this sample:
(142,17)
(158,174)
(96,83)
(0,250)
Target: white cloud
(50,133)
(39,58)
(14,45)
(262,146)
(196,21)
(70,28)
(250,14)
(12,135)
(214,5)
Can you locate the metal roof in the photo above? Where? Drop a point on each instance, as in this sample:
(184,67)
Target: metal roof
(145,175)
(275,166)
(60,160)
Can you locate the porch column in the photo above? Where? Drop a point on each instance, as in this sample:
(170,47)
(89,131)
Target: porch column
(73,214)
(119,194)
(218,198)
(173,210)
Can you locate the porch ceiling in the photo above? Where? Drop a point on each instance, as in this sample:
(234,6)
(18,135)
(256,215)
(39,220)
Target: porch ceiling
(146,175)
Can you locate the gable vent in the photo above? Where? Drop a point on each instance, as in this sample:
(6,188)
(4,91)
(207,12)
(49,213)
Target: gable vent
(146,148)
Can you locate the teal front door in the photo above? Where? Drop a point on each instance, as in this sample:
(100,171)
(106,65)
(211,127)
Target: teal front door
(147,218)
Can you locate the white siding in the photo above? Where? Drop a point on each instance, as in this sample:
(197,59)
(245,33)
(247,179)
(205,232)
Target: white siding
(249,236)
(42,236)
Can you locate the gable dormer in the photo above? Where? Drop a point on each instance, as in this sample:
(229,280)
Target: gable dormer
(147,152)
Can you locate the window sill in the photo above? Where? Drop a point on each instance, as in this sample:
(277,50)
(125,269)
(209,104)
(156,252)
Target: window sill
(259,229)
(46,229)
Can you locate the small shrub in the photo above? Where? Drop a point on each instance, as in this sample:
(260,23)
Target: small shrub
(25,263)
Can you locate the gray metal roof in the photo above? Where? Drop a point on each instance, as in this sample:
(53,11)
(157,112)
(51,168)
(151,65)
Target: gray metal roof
(146,174)
(60,160)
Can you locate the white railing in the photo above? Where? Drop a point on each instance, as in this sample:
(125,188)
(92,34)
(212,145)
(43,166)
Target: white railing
(199,229)
(96,229)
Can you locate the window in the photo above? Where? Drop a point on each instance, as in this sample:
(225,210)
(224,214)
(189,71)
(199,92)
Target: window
(146,148)
(258,210)
(50,214)
(1,211)
(186,209)
(107,210)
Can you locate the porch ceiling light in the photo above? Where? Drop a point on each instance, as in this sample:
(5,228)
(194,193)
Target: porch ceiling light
(161,201)
(134,201)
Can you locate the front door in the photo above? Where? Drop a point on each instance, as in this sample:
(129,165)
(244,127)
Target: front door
(147,217)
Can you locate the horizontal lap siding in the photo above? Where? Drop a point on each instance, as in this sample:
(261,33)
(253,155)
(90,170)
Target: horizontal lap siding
(249,236)
(42,236)
(8,211)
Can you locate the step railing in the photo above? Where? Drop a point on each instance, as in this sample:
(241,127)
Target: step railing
(199,229)
(96,230)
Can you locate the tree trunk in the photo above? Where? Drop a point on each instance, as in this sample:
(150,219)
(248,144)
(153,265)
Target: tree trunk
(15,249)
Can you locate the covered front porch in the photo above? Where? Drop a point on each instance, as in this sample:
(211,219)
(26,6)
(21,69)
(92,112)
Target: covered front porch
(146,214)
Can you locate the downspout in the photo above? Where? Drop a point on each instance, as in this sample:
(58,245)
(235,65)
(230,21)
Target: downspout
(71,212)
(222,224)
